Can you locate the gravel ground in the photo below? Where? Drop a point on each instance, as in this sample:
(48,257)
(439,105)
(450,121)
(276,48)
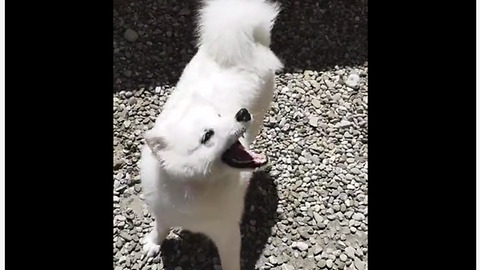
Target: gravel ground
(309,210)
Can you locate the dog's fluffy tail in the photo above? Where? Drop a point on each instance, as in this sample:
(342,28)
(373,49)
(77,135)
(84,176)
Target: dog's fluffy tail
(230,30)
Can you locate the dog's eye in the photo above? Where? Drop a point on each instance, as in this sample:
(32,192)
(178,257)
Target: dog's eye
(207,135)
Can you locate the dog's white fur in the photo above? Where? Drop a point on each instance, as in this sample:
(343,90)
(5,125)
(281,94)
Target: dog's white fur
(185,183)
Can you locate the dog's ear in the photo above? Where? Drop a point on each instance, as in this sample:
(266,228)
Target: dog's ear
(154,141)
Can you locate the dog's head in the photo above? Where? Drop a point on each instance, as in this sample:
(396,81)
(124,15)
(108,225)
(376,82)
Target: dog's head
(199,140)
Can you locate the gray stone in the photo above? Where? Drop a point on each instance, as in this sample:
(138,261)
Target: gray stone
(358,216)
(126,236)
(321,264)
(350,251)
(317,249)
(344,124)
(352,80)
(118,163)
(359,264)
(355,170)
(318,218)
(302,246)
(184,11)
(273,260)
(329,83)
(287,267)
(130,35)
(336,97)
(329,263)
(316,103)
(313,121)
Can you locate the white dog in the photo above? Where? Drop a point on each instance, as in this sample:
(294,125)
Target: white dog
(196,163)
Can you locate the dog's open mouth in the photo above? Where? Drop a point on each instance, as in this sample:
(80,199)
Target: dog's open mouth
(239,157)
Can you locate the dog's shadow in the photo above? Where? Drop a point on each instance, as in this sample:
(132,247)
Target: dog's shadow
(196,251)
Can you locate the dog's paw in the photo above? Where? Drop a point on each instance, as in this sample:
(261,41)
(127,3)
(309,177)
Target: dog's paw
(150,248)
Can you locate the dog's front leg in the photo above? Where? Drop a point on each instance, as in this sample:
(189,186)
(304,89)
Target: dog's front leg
(227,238)
(152,241)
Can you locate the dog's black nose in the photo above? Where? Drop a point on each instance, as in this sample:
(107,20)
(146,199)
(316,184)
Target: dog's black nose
(243,115)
